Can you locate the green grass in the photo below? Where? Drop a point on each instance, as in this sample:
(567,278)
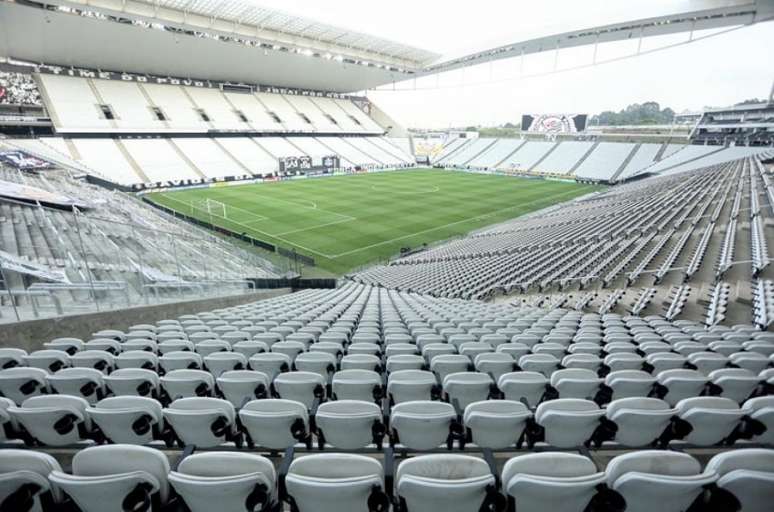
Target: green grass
(344,222)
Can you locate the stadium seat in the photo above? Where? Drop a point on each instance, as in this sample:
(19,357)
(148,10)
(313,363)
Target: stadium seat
(445,364)
(303,387)
(321,363)
(454,483)
(673,480)
(349,424)
(761,410)
(187,383)
(24,483)
(567,422)
(357,384)
(275,424)
(496,424)
(640,421)
(203,422)
(737,384)
(270,363)
(225,481)
(748,474)
(467,387)
(86,383)
(220,362)
(137,359)
(575,383)
(336,482)
(49,360)
(54,420)
(423,425)
(128,419)
(180,360)
(21,383)
(527,386)
(241,386)
(133,381)
(712,418)
(412,385)
(496,364)
(12,357)
(680,384)
(114,478)
(97,359)
(563,482)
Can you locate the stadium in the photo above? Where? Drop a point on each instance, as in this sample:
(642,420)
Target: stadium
(255,261)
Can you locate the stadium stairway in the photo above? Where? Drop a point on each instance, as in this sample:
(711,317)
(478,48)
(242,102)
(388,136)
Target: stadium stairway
(509,155)
(454,151)
(661,151)
(132,162)
(625,163)
(365,151)
(545,155)
(184,157)
(484,150)
(582,159)
(231,155)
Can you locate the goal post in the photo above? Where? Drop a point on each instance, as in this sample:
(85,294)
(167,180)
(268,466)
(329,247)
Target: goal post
(211,207)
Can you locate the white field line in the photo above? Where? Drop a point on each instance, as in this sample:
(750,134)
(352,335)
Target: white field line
(478,217)
(430,191)
(256,230)
(300,205)
(315,227)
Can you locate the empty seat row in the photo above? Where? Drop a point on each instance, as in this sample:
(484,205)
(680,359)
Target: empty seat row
(124,477)
(277,424)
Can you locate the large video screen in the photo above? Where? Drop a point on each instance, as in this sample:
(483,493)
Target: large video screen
(554,123)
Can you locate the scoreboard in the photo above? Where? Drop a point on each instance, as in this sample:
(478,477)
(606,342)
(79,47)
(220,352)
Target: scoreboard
(304,164)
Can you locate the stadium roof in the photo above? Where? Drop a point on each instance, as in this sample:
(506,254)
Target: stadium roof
(244,12)
(239,41)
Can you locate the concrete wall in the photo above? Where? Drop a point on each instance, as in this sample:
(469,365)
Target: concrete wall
(32,334)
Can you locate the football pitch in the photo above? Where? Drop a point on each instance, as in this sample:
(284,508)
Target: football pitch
(347,221)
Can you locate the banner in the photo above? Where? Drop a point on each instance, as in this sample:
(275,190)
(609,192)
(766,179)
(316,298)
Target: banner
(554,123)
(303,164)
(21,160)
(188,82)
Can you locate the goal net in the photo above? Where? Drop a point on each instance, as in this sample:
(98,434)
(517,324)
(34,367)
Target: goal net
(211,207)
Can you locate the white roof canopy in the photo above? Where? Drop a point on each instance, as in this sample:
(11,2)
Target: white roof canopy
(271,24)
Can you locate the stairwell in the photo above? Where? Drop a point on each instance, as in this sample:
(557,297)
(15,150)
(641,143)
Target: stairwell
(626,161)
(100,99)
(361,150)
(487,148)
(582,159)
(150,102)
(131,161)
(187,160)
(456,150)
(231,156)
(390,150)
(509,155)
(660,152)
(542,158)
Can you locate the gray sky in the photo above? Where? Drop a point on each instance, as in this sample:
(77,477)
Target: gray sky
(717,71)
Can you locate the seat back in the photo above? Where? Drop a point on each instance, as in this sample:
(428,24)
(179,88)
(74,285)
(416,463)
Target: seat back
(225,481)
(453,483)
(115,477)
(334,482)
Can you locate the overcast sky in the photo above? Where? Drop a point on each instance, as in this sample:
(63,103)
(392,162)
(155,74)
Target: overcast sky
(717,71)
